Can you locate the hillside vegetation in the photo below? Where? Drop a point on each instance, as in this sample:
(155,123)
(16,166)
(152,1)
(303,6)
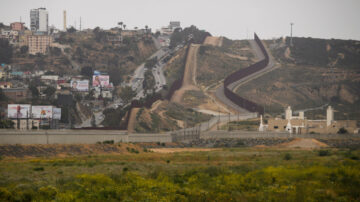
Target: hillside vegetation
(313,72)
(216,63)
(238,174)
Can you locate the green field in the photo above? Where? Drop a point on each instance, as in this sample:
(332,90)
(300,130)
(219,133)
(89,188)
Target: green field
(241,174)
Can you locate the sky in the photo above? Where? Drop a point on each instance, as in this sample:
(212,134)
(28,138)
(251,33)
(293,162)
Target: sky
(235,19)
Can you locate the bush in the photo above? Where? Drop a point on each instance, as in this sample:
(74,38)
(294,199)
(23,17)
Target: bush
(342,131)
(324,153)
(108,142)
(39,169)
(287,157)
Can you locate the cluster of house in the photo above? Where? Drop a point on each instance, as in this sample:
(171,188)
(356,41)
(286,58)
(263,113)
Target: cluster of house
(301,125)
(26,116)
(14,84)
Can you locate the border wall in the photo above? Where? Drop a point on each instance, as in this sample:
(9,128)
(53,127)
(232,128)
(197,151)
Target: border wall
(242,73)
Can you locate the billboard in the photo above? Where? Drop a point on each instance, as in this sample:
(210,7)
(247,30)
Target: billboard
(42,112)
(19,111)
(56,113)
(100,80)
(79,85)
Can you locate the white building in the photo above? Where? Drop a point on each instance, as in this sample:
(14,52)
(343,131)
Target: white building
(39,20)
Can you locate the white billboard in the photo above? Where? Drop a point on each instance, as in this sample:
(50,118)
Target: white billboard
(42,112)
(19,111)
(79,85)
(100,80)
(56,113)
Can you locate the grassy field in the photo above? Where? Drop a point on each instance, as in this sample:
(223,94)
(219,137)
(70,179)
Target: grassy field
(240,174)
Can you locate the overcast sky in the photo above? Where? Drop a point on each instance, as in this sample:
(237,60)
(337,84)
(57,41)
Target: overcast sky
(235,19)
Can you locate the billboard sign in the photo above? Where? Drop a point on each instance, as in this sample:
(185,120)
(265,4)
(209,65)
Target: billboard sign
(79,85)
(100,80)
(56,113)
(42,112)
(19,111)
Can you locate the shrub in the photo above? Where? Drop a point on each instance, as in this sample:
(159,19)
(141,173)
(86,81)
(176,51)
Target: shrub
(324,153)
(39,169)
(108,142)
(287,156)
(342,131)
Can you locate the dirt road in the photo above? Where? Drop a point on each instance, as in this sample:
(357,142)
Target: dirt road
(189,81)
(214,41)
(132,119)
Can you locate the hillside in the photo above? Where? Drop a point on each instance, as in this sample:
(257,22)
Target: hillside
(313,72)
(89,49)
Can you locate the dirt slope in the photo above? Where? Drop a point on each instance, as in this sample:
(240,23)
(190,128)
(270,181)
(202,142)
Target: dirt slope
(307,143)
(214,41)
(132,119)
(189,82)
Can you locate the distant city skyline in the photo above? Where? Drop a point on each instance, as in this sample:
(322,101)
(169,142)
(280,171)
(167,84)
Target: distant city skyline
(236,19)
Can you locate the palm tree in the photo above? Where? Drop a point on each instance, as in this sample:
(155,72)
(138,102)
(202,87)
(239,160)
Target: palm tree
(124,26)
(120,23)
(135,28)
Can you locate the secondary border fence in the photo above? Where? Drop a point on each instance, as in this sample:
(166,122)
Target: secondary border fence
(242,73)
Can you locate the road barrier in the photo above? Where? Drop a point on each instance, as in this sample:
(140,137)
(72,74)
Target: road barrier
(242,73)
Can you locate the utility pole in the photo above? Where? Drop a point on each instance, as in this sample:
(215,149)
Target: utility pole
(80,24)
(291,30)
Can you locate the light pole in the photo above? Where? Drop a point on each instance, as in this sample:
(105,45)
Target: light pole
(291,25)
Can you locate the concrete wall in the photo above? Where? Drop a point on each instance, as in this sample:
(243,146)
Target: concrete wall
(255,134)
(76,137)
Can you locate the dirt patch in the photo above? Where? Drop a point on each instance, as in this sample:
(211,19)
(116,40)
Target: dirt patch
(213,41)
(189,81)
(173,150)
(66,149)
(132,119)
(307,143)
(237,56)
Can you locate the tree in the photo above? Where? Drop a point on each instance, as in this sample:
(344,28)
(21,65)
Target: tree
(151,62)
(49,91)
(93,121)
(6,51)
(87,71)
(24,49)
(127,94)
(71,30)
(342,131)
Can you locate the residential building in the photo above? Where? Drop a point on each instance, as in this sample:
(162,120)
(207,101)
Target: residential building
(39,43)
(39,20)
(17,26)
(174,25)
(17,94)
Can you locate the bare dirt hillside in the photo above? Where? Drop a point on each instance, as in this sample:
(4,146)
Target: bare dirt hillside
(189,81)
(213,41)
(132,119)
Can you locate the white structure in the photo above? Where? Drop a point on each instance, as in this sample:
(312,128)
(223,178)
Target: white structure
(39,20)
(329,116)
(262,127)
(301,115)
(288,113)
(288,127)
